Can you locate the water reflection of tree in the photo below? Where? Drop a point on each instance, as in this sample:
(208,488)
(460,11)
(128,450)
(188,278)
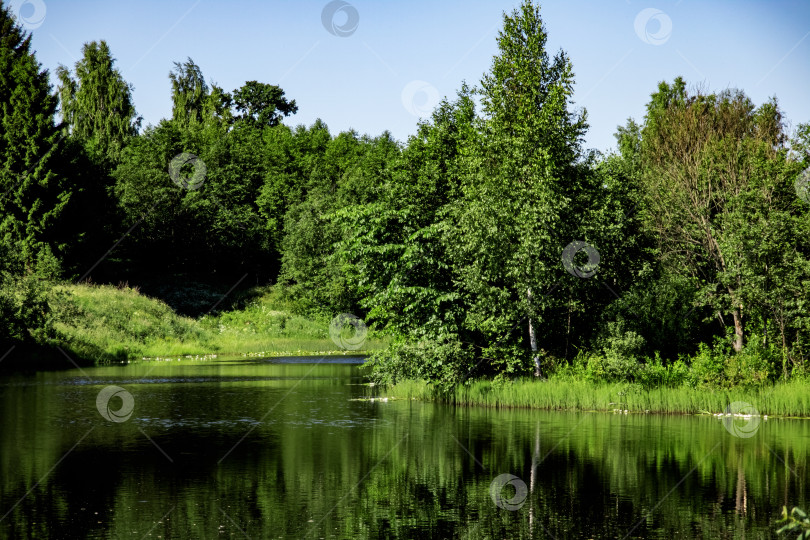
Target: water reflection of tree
(398,473)
(741,499)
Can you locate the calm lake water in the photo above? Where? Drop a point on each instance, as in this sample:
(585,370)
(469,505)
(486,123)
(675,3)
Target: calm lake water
(284,449)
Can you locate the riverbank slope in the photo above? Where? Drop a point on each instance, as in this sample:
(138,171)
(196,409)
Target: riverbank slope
(101,324)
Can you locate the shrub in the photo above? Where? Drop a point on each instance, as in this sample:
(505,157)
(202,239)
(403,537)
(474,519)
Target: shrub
(444,362)
(755,364)
(25,307)
(719,366)
(606,368)
(618,361)
(707,367)
(622,343)
(654,373)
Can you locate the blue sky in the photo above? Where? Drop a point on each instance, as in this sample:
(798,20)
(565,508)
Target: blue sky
(390,67)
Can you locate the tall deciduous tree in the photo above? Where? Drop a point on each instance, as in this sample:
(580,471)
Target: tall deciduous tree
(197,106)
(718,185)
(100,119)
(467,237)
(262,104)
(97,104)
(189,92)
(515,216)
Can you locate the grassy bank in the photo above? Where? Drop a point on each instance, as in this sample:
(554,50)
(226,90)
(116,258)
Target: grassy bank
(565,393)
(105,323)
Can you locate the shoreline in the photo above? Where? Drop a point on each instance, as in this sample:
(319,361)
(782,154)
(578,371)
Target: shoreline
(779,400)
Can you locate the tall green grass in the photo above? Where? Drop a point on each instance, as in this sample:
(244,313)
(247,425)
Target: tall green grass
(105,323)
(565,393)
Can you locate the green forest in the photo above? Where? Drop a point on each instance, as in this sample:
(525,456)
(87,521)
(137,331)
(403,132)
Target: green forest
(491,245)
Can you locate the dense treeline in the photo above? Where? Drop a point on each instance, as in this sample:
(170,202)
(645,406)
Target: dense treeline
(490,243)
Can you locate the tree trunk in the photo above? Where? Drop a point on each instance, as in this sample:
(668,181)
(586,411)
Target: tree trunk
(533,339)
(738,330)
(568,327)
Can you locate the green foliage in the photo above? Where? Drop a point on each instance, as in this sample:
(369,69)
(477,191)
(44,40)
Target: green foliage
(617,357)
(25,308)
(647,372)
(233,221)
(218,222)
(345,172)
(449,244)
(97,105)
(455,259)
(610,367)
(795,521)
(521,200)
(190,93)
(394,244)
(443,363)
(33,195)
(757,364)
(262,104)
(621,343)
(717,180)
(655,374)
(99,120)
(394,248)
(707,367)
(719,366)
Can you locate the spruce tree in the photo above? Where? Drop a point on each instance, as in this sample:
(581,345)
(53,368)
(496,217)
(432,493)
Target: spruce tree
(31,197)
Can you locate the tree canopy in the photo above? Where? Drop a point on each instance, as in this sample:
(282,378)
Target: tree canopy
(490,243)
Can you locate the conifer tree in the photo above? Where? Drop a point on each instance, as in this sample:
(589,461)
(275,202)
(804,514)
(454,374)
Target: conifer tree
(32,195)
